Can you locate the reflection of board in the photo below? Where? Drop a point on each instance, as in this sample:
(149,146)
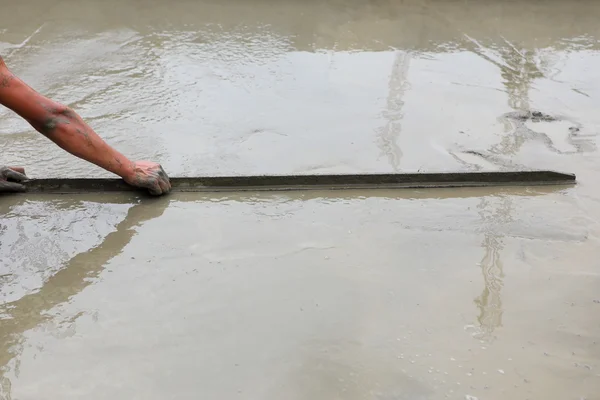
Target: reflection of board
(305,182)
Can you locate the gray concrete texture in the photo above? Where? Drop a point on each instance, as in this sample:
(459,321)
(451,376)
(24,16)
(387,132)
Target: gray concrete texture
(465,293)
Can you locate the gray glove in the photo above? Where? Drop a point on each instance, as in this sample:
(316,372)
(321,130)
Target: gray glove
(10,178)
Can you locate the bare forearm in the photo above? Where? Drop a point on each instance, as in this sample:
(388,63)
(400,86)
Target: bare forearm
(60,124)
(65,128)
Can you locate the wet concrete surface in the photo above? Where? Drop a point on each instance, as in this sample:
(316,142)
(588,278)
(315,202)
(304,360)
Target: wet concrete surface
(413,294)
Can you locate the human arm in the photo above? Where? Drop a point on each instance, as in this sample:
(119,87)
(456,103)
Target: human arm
(65,128)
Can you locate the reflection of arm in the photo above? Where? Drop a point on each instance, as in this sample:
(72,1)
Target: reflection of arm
(77,273)
(60,124)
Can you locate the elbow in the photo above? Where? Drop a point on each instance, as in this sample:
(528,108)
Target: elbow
(55,117)
(61,110)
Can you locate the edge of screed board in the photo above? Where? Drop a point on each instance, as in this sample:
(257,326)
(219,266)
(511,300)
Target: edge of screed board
(306,182)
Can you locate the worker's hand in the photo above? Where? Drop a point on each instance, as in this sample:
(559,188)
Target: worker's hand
(149,175)
(10,178)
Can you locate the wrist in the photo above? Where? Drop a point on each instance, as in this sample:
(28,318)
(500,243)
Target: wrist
(125,168)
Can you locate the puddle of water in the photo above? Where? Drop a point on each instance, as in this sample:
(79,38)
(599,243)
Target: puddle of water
(434,294)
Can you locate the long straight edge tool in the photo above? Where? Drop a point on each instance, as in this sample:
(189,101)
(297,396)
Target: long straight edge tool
(306,182)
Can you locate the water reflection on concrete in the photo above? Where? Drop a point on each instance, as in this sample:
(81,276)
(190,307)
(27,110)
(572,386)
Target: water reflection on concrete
(31,310)
(388,135)
(352,321)
(494,211)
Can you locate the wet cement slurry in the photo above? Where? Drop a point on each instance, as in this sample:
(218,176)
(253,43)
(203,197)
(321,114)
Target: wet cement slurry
(412,294)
